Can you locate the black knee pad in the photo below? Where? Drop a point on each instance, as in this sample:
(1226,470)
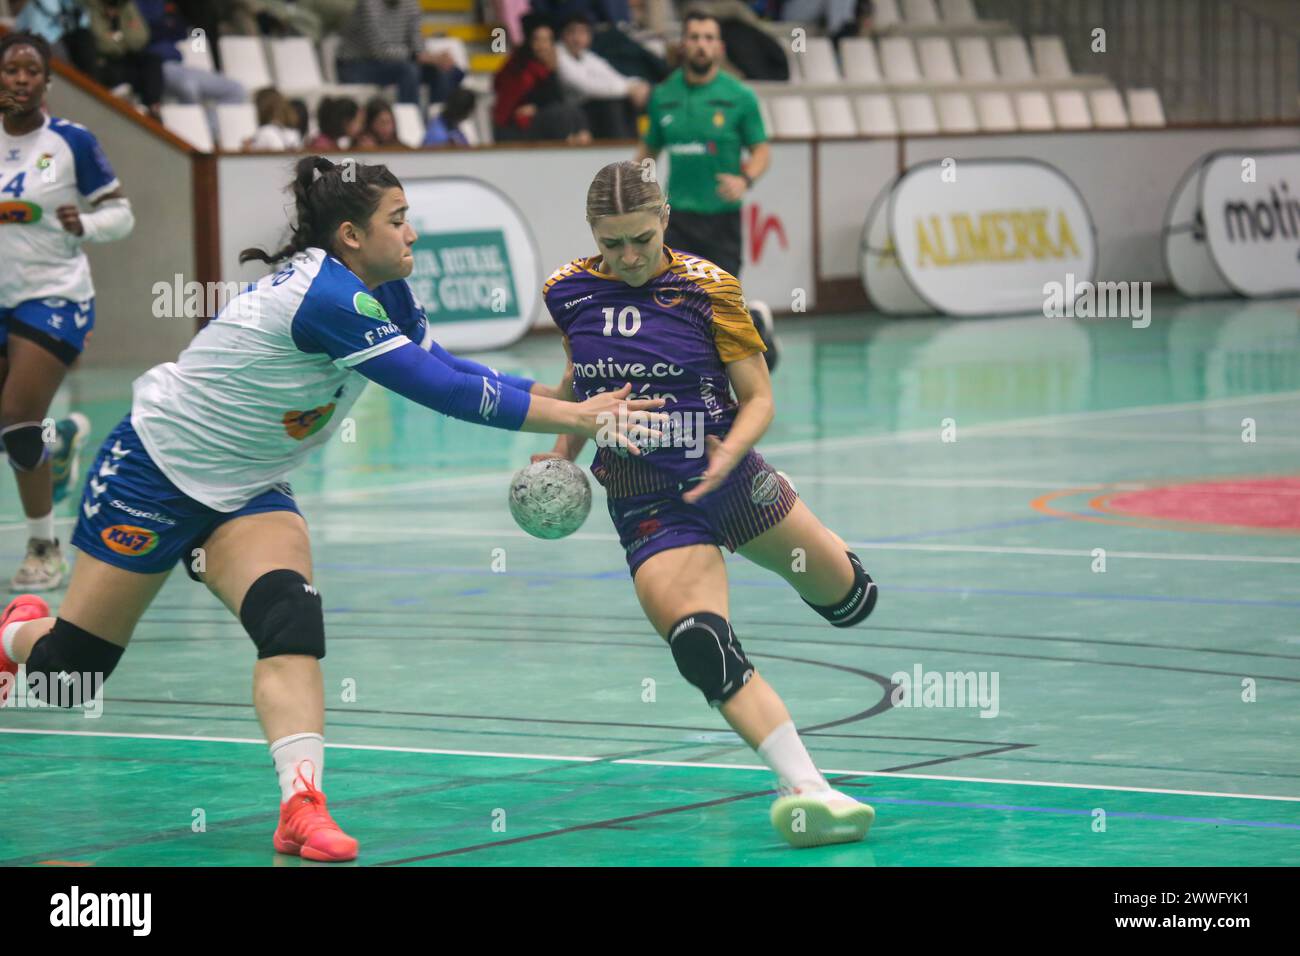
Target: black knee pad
(24,445)
(709,656)
(68,666)
(282,614)
(857,605)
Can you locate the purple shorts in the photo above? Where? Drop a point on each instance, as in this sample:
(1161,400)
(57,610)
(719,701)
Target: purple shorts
(752,499)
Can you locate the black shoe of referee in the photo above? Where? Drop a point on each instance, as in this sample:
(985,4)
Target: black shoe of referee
(766,331)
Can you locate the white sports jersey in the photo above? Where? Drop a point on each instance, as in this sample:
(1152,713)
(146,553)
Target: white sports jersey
(269,379)
(59,164)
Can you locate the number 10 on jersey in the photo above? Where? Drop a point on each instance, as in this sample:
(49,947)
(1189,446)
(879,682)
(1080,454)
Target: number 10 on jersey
(629,320)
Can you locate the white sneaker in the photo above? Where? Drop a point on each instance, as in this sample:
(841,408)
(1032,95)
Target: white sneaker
(807,817)
(43,568)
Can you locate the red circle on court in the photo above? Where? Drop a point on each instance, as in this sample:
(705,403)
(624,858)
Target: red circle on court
(1252,503)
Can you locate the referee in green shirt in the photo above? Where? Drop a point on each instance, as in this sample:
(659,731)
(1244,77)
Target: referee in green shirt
(705,118)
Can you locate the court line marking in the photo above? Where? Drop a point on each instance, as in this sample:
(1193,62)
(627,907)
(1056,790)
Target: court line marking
(406,531)
(660,763)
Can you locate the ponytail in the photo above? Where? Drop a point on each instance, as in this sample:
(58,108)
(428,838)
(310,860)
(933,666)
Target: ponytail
(326,195)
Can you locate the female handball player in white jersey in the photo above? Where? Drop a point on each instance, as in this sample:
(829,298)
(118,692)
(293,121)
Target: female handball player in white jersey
(201,460)
(57,191)
(676,326)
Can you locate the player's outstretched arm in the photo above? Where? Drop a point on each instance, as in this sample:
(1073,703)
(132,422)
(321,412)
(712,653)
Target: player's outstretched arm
(415,374)
(566,446)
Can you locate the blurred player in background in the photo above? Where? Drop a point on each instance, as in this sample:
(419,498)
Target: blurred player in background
(196,471)
(676,326)
(57,191)
(705,118)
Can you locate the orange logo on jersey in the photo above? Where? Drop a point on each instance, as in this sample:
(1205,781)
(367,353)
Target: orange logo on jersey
(26,213)
(300,425)
(129,540)
(719,119)
(668,298)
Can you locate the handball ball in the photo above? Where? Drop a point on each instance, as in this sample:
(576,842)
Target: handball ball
(550,498)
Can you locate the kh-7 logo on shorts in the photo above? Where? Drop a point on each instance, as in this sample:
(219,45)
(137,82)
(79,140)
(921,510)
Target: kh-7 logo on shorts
(129,540)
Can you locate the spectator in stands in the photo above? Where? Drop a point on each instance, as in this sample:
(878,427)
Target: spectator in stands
(381,126)
(340,121)
(861,26)
(633,50)
(275,123)
(444,129)
(529,101)
(610,100)
(188,85)
(205,15)
(382,44)
(301,117)
(121,39)
(63,24)
(310,18)
(837,15)
(597,11)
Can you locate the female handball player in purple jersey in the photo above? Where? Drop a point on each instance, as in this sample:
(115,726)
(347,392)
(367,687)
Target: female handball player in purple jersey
(677,328)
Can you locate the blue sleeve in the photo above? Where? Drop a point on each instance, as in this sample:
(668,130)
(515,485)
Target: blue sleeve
(406,313)
(347,324)
(413,373)
(94,174)
(470,367)
(404,310)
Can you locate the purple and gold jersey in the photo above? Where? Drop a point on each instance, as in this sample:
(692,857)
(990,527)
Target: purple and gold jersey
(671,338)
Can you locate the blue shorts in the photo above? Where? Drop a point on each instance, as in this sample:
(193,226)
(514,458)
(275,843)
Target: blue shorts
(60,326)
(752,499)
(134,518)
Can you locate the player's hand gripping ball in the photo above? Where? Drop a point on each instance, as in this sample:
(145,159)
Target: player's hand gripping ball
(550,498)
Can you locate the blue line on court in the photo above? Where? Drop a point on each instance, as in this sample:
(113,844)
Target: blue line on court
(1217,821)
(776,583)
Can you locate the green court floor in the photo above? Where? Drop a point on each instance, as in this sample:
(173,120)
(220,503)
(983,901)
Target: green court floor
(1147,713)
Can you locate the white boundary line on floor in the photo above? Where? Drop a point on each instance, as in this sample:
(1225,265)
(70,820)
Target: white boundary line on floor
(662,763)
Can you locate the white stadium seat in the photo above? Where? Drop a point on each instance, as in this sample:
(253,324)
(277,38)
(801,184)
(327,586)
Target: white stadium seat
(1033,111)
(236,122)
(817,62)
(958,11)
(1013,59)
(1107,109)
(916,113)
(956,114)
(886,15)
(995,112)
(833,116)
(858,58)
(976,60)
(899,60)
(190,123)
(410,128)
(791,117)
(876,116)
(765,111)
(329,49)
(920,12)
(794,119)
(1144,108)
(1050,60)
(1071,109)
(937,63)
(197,56)
(453,45)
(294,63)
(244,59)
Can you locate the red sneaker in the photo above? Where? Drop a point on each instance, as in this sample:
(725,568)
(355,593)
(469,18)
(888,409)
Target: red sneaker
(25,607)
(307,830)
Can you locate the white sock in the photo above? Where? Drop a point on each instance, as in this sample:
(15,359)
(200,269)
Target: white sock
(7,638)
(289,752)
(42,528)
(785,753)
